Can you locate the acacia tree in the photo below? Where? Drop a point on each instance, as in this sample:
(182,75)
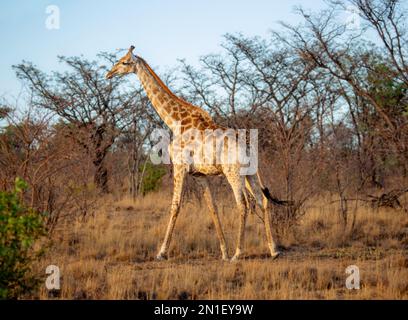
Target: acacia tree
(219,85)
(96,110)
(371,81)
(134,140)
(29,149)
(387,75)
(387,19)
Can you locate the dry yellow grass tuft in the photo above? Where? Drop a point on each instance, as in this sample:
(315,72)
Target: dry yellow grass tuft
(111,255)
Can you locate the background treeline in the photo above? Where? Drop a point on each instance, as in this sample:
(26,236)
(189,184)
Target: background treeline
(331,107)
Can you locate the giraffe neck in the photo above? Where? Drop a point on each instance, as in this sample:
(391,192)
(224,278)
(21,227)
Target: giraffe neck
(177,114)
(166,104)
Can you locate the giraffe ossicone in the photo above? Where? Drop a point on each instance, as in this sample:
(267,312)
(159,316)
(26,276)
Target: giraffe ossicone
(181,116)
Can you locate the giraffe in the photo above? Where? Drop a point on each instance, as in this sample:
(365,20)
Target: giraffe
(180,115)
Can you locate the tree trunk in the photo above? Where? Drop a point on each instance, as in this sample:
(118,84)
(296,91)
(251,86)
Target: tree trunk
(101,173)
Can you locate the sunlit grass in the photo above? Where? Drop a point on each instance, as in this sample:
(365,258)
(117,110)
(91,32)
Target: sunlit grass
(111,255)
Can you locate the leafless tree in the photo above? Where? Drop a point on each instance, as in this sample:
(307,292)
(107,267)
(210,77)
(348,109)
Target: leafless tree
(95,109)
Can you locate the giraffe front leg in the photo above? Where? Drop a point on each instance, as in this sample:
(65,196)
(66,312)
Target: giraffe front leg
(179,174)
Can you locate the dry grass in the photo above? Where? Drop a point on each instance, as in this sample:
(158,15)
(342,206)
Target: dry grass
(111,255)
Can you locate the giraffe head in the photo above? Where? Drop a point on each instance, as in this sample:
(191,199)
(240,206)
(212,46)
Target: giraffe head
(125,65)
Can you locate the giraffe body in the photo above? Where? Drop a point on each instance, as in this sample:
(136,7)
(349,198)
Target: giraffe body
(181,116)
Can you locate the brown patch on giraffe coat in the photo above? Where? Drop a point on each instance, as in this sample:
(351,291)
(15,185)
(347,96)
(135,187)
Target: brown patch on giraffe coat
(167,107)
(186,121)
(203,125)
(176,116)
(176,108)
(196,121)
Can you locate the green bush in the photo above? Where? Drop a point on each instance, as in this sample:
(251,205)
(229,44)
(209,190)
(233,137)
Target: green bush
(152,177)
(20,227)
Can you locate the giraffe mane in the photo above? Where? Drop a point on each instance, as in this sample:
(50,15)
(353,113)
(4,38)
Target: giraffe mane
(167,90)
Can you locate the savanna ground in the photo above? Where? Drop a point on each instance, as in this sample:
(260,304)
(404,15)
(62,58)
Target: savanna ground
(111,255)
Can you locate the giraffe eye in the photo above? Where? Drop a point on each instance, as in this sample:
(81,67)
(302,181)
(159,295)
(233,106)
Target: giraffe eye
(125,63)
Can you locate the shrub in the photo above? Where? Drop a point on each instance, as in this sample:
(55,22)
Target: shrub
(152,177)
(20,227)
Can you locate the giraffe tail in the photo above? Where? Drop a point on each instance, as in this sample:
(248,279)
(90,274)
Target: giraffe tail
(276,201)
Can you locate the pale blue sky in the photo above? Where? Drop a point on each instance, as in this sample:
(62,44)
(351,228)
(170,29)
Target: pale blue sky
(162,31)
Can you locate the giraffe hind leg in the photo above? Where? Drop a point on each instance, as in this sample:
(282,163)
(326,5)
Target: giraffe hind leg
(203,181)
(237,183)
(254,185)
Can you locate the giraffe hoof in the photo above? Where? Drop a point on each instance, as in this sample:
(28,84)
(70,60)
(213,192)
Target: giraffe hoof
(161,257)
(235,258)
(275,255)
(225,258)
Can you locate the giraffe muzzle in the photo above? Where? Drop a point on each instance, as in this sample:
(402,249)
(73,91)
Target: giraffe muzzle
(109,75)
